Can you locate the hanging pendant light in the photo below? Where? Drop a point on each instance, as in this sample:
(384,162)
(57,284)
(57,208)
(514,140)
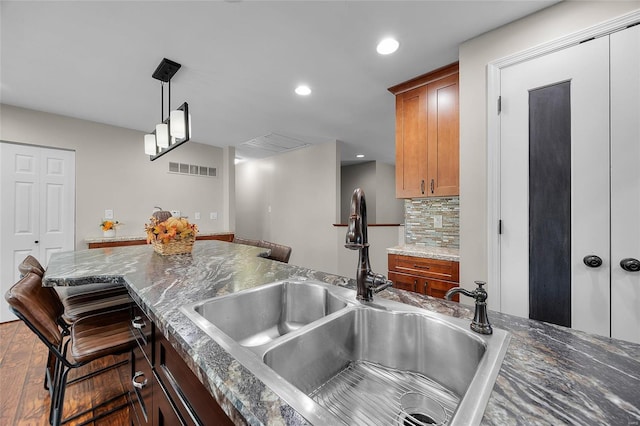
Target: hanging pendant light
(150,144)
(174,130)
(162,135)
(180,122)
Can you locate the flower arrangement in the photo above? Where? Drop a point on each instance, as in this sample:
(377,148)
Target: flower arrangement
(172,228)
(107,225)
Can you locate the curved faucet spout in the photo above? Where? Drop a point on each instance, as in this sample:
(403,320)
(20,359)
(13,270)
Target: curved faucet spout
(357,239)
(480,323)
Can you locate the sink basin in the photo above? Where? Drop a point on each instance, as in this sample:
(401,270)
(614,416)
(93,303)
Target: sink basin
(381,352)
(345,362)
(258,316)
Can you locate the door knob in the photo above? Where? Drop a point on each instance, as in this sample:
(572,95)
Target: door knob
(630,264)
(592,261)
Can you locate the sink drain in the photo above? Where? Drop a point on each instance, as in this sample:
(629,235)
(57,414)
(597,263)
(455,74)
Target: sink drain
(420,410)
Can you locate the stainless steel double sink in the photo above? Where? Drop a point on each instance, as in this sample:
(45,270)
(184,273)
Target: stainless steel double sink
(338,361)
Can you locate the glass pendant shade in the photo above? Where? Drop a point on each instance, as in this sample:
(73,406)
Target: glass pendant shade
(178,123)
(150,144)
(162,135)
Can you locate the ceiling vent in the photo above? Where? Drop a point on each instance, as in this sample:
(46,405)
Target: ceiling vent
(268,145)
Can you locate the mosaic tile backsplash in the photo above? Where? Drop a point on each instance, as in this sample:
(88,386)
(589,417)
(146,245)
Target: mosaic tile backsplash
(420,224)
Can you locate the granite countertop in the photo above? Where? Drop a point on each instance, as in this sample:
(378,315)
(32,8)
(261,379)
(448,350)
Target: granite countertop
(550,375)
(440,253)
(140,237)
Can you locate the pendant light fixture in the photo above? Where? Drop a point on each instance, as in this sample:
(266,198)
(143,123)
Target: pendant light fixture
(174,130)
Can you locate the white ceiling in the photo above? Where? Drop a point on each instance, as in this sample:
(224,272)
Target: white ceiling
(240,62)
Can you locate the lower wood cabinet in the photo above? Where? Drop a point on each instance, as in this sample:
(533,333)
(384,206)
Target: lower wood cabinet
(432,277)
(165,391)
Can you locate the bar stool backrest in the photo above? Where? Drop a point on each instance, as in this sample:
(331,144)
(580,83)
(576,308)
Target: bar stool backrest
(30,264)
(38,306)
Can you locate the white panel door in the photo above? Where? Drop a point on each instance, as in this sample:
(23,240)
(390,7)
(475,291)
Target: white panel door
(38,215)
(625,182)
(586,67)
(57,202)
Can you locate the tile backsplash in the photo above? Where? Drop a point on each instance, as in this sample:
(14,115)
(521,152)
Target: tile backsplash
(420,215)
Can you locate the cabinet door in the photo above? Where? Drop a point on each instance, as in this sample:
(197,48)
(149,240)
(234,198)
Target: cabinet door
(625,183)
(443,150)
(163,412)
(193,401)
(437,288)
(142,385)
(411,143)
(404,282)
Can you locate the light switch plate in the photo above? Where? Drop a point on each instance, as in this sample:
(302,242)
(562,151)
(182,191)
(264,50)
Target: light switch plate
(196,216)
(437,221)
(108,214)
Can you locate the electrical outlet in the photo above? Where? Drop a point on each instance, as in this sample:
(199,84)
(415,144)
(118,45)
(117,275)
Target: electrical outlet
(108,214)
(213,215)
(437,221)
(196,216)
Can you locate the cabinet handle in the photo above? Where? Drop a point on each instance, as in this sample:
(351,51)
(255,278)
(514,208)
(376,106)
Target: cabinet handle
(422,186)
(630,264)
(138,323)
(592,261)
(135,383)
(421,267)
(432,184)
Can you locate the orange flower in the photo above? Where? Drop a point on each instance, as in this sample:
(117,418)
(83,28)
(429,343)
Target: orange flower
(108,224)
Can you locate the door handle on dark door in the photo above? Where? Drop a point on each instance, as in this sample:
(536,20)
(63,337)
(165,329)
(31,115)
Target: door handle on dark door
(630,264)
(592,261)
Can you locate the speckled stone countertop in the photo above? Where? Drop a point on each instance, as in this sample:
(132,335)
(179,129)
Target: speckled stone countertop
(139,237)
(550,375)
(440,253)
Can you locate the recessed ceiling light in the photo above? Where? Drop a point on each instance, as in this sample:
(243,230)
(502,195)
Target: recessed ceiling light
(303,90)
(359,155)
(387,46)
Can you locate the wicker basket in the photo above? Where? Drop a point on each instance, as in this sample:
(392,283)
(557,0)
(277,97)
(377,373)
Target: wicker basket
(175,246)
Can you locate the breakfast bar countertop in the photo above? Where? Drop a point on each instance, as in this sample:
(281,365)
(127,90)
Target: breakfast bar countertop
(550,375)
(417,250)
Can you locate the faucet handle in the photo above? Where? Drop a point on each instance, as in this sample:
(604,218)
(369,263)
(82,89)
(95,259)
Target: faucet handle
(480,294)
(380,282)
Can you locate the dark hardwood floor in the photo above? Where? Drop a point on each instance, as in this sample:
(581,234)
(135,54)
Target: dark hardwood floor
(23,399)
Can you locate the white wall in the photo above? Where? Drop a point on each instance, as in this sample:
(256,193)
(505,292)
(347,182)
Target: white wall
(378,180)
(544,26)
(301,190)
(389,209)
(358,176)
(112,172)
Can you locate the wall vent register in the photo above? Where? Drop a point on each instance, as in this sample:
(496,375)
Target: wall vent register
(193,170)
